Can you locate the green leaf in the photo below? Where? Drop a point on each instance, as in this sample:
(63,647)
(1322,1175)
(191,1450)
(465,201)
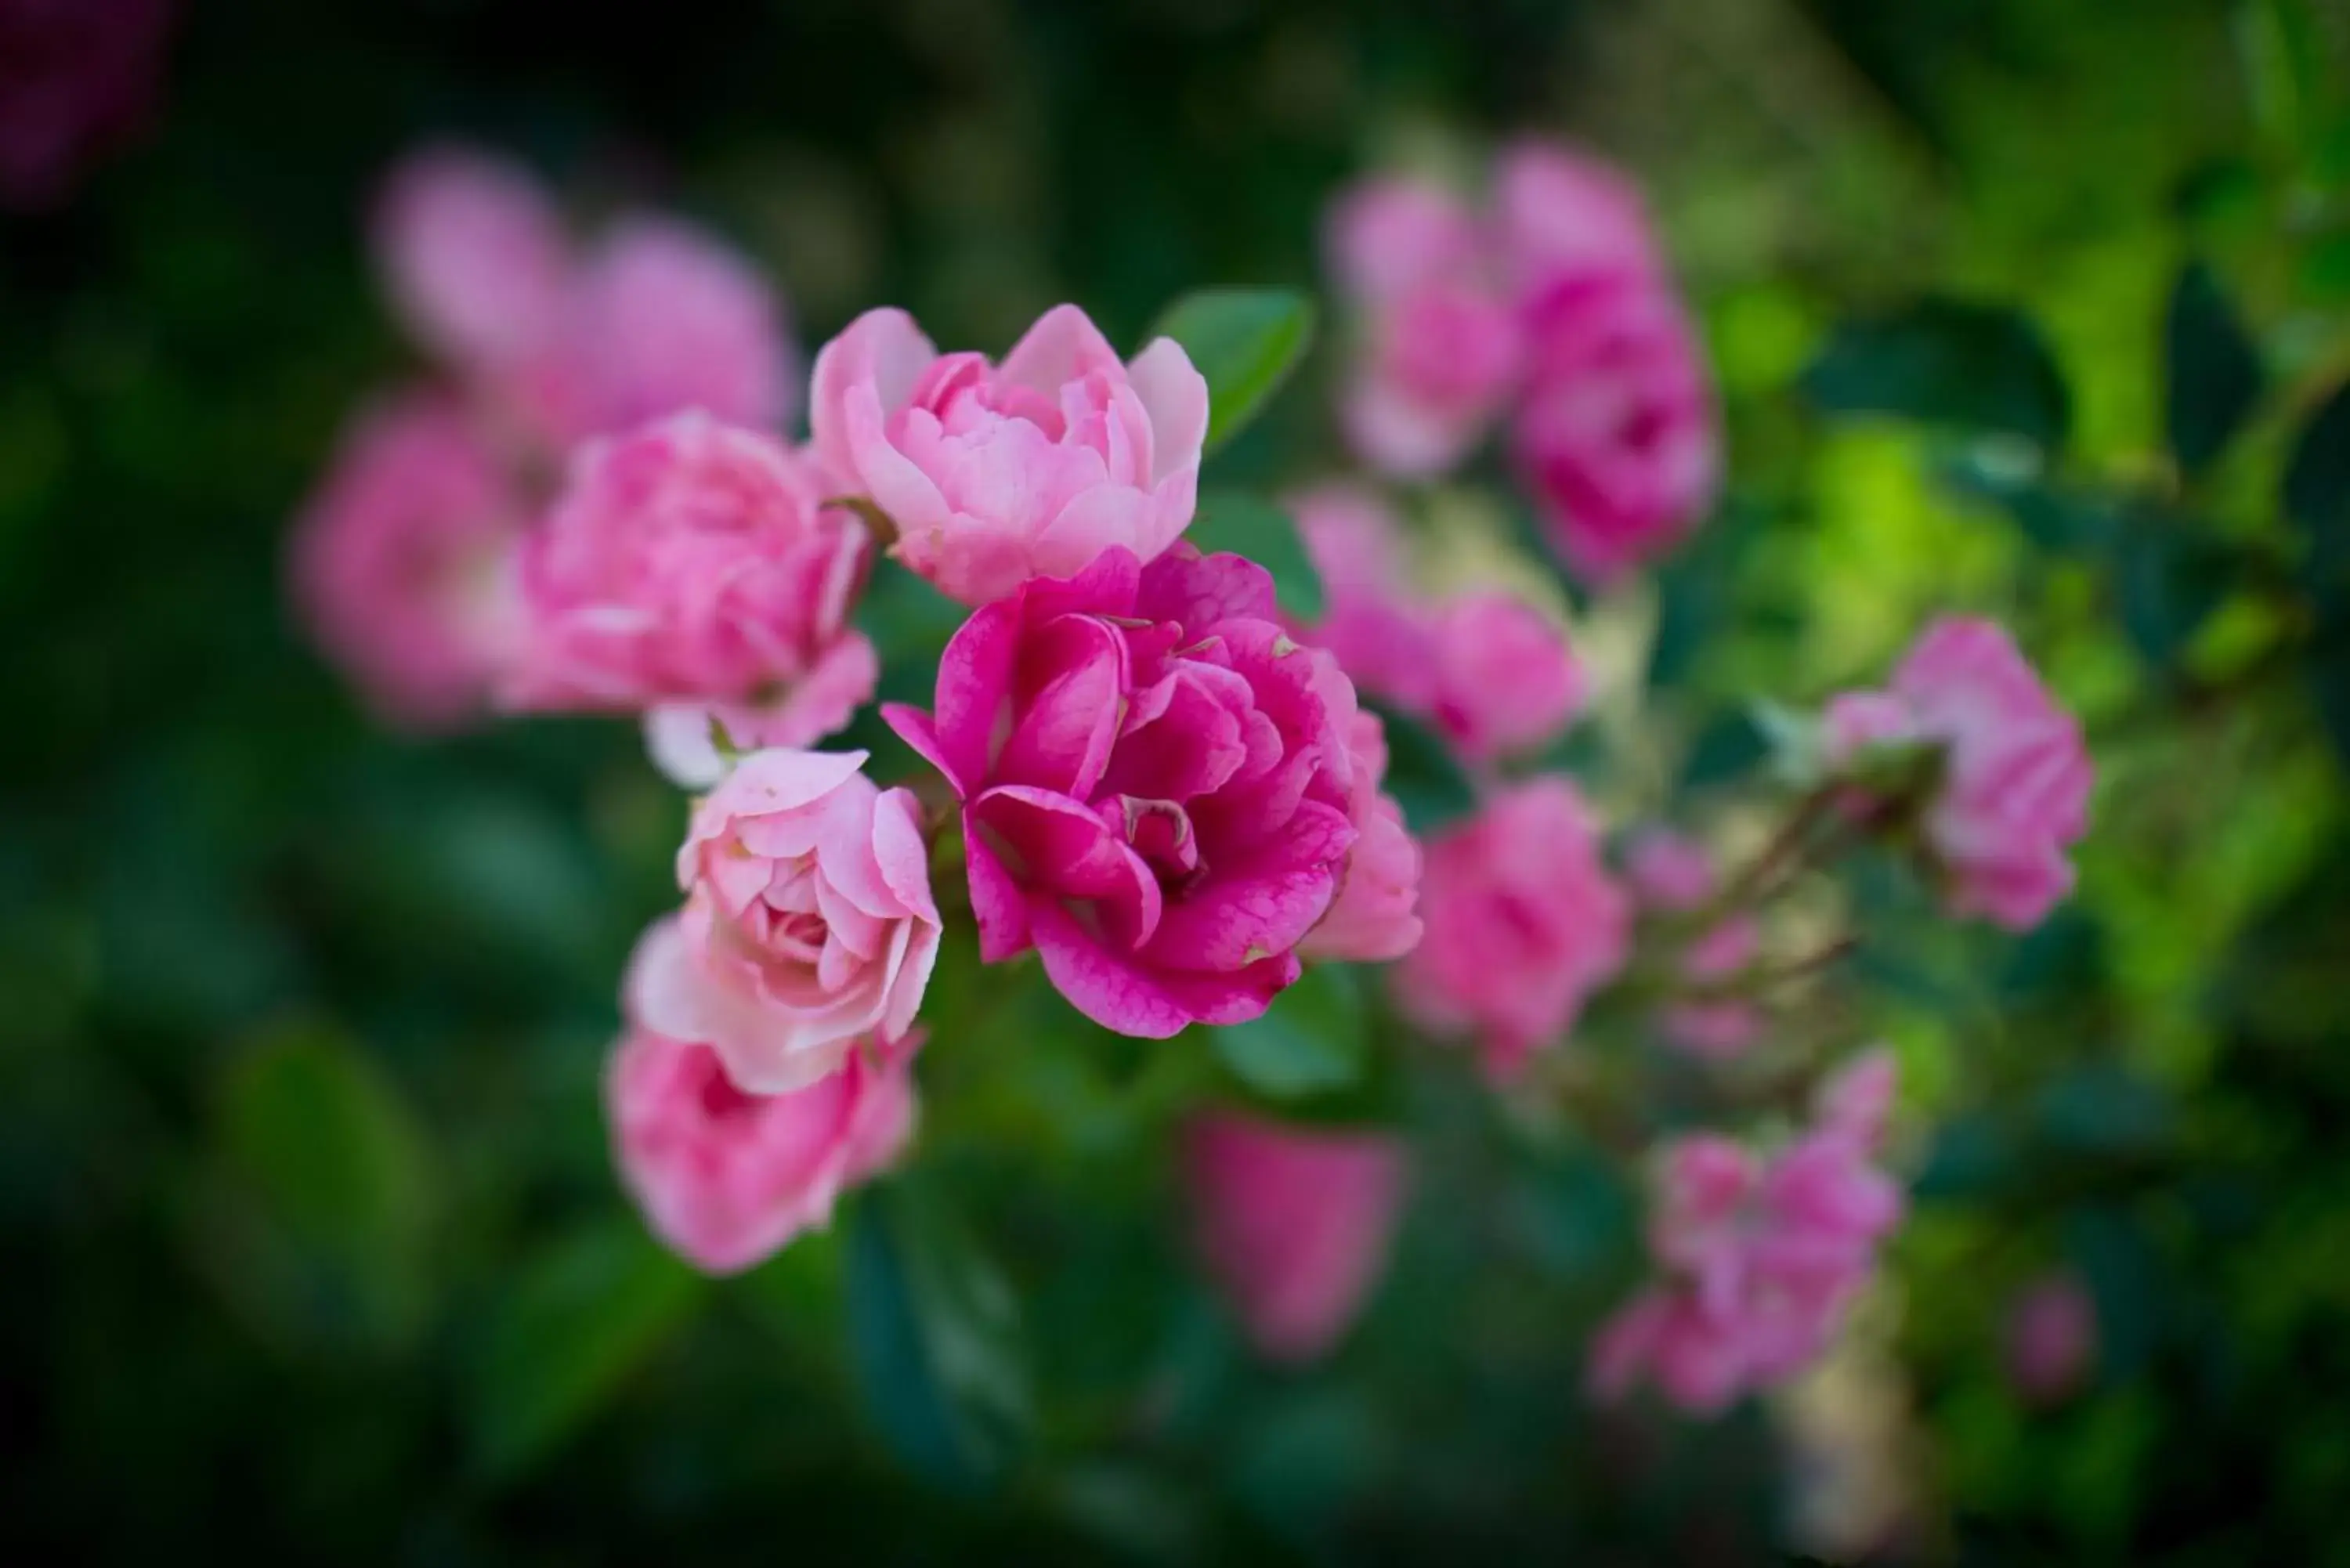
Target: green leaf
(1423,775)
(1234,521)
(2317,492)
(1245,341)
(1949,362)
(2214,369)
(574,1323)
(2169,577)
(2057,521)
(319,1210)
(934,1334)
(1313,1039)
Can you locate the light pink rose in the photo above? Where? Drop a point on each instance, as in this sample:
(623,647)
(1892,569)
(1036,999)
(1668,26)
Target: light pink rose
(1156,786)
(2051,1339)
(1490,671)
(1294,1225)
(474,257)
(1558,212)
(1375,917)
(2014,789)
(808,925)
(1757,1260)
(690,563)
(1522,922)
(1616,435)
(725,1178)
(402,563)
(997,473)
(659,317)
(1676,876)
(1443,346)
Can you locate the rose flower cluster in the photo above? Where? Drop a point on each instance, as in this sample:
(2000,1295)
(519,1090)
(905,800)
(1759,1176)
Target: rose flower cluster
(1146,768)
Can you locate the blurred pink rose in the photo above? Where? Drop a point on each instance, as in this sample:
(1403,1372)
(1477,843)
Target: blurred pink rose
(1676,874)
(2051,1339)
(1493,673)
(659,317)
(1374,918)
(1505,680)
(997,473)
(1442,345)
(1558,212)
(1757,1260)
(808,921)
(475,257)
(1156,784)
(563,342)
(692,564)
(1294,1225)
(402,563)
(725,1178)
(76,77)
(1615,436)
(2014,794)
(1523,923)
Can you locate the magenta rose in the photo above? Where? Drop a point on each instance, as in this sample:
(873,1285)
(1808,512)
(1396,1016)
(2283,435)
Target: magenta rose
(1523,923)
(993,474)
(808,922)
(2014,792)
(1441,346)
(1156,786)
(402,563)
(691,570)
(1294,1225)
(725,1178)
(1375,918)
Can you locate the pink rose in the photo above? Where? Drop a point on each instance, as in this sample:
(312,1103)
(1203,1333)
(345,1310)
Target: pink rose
(997,473)
(724,1178)
(475,257)
(1490,671)
(2051,1339)
(689,564)
(1296,1226)
(1615,436)
(1374,918)
(807,924)
(660,319)
(1522,922)
(1676,874)
(1443,346)
(402,563)
(1156,786)
(2014,794)
(1557,212)
(1757,1260)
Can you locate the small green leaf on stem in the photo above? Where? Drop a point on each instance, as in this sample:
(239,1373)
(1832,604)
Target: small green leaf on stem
(1245,342)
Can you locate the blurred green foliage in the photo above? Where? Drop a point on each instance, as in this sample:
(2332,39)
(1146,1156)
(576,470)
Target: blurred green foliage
(2030,306)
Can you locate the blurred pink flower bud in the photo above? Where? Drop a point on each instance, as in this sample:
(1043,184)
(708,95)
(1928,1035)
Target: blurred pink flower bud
(1442,344)
(1374,621)
(997,473)
(1676,874)
(1505,681)
(689,563)
(474,257)
(726,1177)
(1294,1225)
(1375,917)
(1522,922)
(402,563)
(808,921)
(2013,793)
(1157,784)
(2051,1339)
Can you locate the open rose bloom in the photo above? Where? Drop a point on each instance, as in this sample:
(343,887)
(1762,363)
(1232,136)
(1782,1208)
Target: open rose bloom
(1293,1223)
(726,1176)
(994,474)
(2014,794)
(1157,784)
(808,921)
